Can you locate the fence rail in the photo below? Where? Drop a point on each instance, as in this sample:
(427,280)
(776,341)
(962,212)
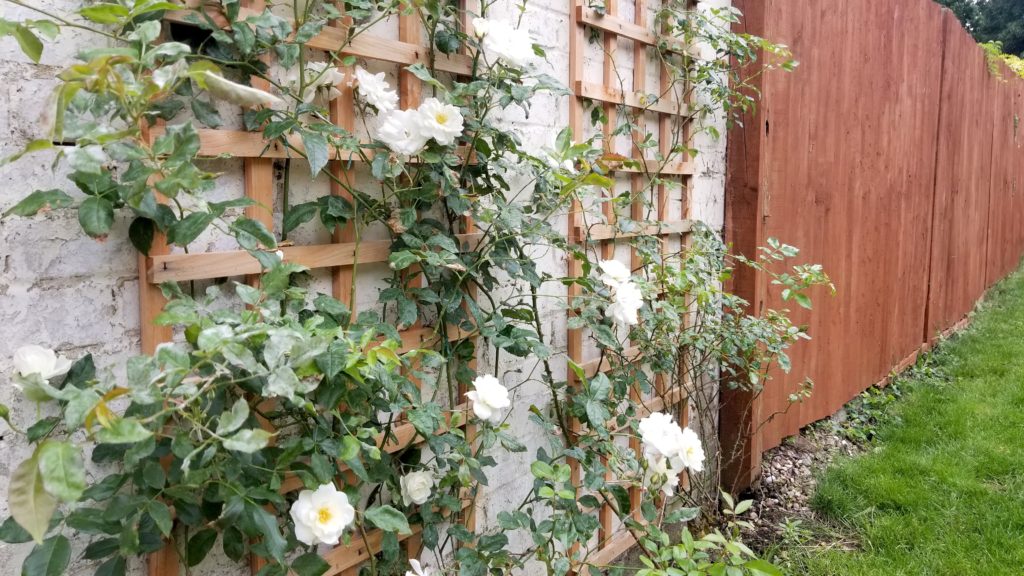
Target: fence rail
(892,157)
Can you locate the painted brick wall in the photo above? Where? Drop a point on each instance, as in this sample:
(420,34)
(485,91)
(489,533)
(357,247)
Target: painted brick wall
(60,289)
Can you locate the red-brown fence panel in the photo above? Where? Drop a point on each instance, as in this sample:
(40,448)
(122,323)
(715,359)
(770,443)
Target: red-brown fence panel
(890,156)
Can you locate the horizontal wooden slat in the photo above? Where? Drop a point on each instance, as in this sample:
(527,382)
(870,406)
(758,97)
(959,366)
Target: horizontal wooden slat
(666,399)
(631,99)
(335,39)
(616,163)
(343,557)
(591,368)
(208,265)
(365,45)
(600,232)
(623,28)
(611,549)
(244,144)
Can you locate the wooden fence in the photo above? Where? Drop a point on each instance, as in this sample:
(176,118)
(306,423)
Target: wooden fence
(892,157)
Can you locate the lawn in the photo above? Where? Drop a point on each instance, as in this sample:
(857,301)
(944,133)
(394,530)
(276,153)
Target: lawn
(941,490)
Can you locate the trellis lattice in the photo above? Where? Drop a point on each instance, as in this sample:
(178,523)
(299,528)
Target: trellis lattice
(650,175)
(341,256)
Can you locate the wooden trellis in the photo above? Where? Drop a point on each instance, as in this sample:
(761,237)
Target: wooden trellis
(340,256)
(639,102)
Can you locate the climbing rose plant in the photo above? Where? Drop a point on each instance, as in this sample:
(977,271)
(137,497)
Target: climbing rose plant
(271,423)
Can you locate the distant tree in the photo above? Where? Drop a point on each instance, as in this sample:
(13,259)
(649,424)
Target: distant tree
(966,10)
(1001,21)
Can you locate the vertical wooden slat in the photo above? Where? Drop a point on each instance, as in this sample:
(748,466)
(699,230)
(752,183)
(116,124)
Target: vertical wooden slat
(342,110)
(151,299)
(163,562)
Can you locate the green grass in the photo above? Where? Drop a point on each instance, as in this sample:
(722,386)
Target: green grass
(941,491)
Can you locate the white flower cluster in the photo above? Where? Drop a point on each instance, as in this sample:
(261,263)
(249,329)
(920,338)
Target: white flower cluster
(501,42)
(406,132)
(321,516)
(669,450)
(627,299)
(489,397)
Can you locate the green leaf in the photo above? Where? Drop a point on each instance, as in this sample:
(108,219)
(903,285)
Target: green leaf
(153,474)
(141,234)
(200,545)
(206,113)
(759,567)
(161,515)
(12,532)
(80,403)
(41,428)
(248,441)
(30,505)
(388,519)
(402,259)
(621,499)
(30,44)
(49,558)
(101,548)
(298,215)
(316,151)
(334,359)
(62,469)
(310,564)
(113,567)
(233,543)
(266,525)
(349,448)
(250,233)
(420,71)
(123,431)
(233,419)
(184,231)
(33,146)
(105,13)
(96,215)
(40,200)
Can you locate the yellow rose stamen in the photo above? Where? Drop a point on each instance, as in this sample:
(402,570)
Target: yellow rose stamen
(441,118)
(323,515)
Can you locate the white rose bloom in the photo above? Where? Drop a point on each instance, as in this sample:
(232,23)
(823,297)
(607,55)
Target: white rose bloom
(666,468)
(660,436)
(489,398)
(319,75)
(627,299)
(401,132)
(500,41)
(691,452)
(416,487)
(440,121)
(417,569)
(239,93)
(34,359)
(613,272)
(481,26)
(321,516)
(374,90)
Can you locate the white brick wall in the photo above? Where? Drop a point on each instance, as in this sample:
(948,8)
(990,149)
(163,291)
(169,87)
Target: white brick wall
(60,289)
